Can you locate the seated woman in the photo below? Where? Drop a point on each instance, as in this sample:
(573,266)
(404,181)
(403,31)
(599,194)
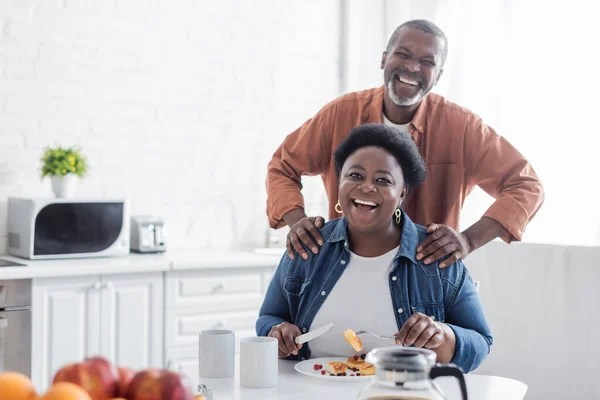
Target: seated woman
(366,276)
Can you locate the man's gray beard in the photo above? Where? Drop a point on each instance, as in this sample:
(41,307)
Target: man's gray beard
(402,102)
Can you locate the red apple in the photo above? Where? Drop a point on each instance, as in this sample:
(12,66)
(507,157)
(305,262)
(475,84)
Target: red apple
(125,377)
(95,375)
(156,384)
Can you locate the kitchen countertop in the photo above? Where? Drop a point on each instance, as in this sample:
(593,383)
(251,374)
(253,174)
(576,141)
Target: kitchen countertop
(173,260)
(183,260)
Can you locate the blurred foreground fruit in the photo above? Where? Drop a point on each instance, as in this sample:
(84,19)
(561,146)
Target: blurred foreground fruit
(125,377)
(16,386)
(96,375)
(156,384)
(65,391)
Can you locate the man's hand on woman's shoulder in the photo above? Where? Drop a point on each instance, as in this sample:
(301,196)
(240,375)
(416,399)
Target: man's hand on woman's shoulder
(305,231)
(443,241)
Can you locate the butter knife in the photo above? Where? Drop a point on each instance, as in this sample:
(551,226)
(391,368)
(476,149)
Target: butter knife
(313,334)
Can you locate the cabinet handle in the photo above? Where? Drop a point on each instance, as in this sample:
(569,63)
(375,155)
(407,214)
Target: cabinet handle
(108,285)
(173,366)
(217,288)
(96,286)
(218,325)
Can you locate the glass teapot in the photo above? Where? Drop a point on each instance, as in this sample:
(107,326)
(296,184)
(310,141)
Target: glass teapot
(407,373)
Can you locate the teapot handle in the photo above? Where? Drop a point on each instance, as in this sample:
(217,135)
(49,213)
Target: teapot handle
(450,370)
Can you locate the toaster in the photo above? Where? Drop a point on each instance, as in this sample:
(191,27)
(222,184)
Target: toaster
(147,234)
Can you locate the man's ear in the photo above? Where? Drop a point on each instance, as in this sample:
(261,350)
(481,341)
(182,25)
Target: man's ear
(439,75)
(383,58)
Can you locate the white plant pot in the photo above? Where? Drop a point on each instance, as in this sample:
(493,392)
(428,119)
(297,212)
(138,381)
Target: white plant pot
(64,186)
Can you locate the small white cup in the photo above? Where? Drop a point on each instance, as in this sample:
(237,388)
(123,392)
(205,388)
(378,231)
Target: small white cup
(258,362)
(217,354)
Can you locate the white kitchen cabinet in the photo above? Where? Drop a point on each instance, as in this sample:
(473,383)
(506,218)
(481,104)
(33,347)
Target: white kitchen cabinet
(116,316)
(131,332)
(184,360)
(65,324)
(219,298)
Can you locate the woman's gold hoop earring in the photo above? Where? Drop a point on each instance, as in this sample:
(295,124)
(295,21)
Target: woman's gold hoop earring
(398,215)
(338,207)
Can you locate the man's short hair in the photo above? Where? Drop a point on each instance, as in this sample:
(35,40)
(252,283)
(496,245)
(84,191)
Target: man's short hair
(424,26)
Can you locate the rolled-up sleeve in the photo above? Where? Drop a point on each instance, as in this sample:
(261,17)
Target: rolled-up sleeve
(505,174)
(465,316)
(306,151)
(275,308)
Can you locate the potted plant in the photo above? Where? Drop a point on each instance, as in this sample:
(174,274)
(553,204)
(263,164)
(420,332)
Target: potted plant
(64,166)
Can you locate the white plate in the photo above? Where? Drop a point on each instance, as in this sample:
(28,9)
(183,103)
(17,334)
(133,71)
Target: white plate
(307,367)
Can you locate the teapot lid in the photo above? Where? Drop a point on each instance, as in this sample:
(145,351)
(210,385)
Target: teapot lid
(402,364)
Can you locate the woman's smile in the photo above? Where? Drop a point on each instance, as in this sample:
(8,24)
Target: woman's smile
(365,205)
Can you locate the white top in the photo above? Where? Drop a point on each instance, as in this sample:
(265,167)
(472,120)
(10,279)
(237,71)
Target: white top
(402,128)
(360,300)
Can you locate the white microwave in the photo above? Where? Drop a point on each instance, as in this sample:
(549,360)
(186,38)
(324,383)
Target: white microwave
(67,228)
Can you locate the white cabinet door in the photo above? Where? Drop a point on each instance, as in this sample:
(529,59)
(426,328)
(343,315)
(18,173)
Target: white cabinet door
(65,324)
(183,360)
(132,319)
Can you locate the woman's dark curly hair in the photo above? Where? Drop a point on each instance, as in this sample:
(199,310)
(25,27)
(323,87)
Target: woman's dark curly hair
(397,143)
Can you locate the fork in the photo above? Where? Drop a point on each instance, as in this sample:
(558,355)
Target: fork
(203,390)
(374,334)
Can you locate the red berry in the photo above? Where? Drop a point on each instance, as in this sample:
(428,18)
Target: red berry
(331,375)
(322,372)
(358,374)
(356,357)
(343,374)
(351,374)
(316,367)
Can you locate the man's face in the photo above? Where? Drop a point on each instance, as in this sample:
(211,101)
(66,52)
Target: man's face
(412,66)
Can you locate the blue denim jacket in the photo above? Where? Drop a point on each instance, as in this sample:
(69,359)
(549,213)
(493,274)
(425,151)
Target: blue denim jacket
(299,288)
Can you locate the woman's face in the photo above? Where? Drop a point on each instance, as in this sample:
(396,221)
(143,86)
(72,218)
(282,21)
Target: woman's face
(371,188)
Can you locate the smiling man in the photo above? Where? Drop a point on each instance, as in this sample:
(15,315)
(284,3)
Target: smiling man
(460,151)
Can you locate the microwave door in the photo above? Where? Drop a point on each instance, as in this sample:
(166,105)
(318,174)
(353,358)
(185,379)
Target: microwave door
(77,228)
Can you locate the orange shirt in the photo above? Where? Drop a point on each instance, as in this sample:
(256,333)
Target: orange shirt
(460,151)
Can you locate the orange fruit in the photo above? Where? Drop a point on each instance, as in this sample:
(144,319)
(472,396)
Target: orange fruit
(17,386)
(65,391)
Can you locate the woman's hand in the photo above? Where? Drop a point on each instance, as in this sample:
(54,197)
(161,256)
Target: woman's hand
(286,334)
(420,331)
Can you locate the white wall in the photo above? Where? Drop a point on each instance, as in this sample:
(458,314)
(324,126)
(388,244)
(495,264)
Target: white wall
(178,104)
(540,301)
(502,64)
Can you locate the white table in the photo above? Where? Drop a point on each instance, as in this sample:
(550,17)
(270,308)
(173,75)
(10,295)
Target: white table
(293,385)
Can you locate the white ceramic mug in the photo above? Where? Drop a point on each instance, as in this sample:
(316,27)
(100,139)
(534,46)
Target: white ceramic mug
(258,362)
(217,354)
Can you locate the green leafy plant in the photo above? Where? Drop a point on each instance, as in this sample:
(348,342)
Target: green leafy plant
(62,161)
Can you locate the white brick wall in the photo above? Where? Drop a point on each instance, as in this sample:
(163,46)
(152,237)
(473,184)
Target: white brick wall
(178,104)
